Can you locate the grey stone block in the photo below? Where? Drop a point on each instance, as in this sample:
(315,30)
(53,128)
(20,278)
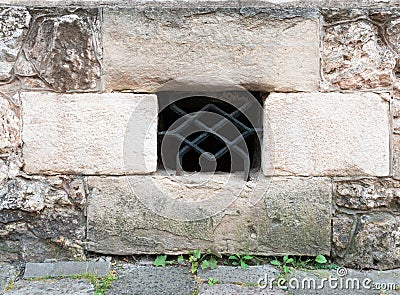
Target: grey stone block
(65,269)
(151,280)
(52,287)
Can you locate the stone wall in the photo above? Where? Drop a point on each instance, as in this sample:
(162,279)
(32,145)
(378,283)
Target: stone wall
(78,129)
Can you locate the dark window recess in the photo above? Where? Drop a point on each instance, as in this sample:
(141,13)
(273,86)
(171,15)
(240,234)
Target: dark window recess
(201,133)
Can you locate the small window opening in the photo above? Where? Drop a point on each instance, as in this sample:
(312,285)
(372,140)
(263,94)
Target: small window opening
(207,133)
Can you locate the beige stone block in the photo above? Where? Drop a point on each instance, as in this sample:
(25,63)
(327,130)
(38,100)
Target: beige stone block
(269,50)
(326,134)
(113,133)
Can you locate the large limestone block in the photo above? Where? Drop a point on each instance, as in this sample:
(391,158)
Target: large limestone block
(261,49)
(112,133)
(126,216)
(326,134)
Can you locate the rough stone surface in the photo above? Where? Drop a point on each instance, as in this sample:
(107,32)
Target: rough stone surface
(376,242)
(396,130)
(41,218)
(366,223)
(8,273)
(367,194)
(63,49)
(283,221)
(396,156)
(150,280)
(342,226)
(65,269)
(52,287)
(236,275)
(256,48)
(355,57)
(10,166)
(113,133)
(14,23)
(327,134)
(9,126)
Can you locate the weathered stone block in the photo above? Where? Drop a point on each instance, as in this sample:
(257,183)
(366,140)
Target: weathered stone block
(14,23)
(326,134)
(67,268)
(63,49)
(261,49)
(111,133)
(60,286)
(355,57)
(158,280)
(367,194)
(126,216)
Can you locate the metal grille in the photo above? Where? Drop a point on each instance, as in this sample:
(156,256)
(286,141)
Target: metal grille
(198,120)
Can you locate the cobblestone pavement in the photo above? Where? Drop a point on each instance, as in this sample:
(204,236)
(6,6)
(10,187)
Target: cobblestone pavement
(143,278)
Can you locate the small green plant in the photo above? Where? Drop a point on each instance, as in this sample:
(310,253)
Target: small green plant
(100,284)
(161,260)
(241,260)
(207,260)
(320,259)
(194,259)
(319,262)
(209,263)
(284,265)
(212,281)
(181,259)
(103,284)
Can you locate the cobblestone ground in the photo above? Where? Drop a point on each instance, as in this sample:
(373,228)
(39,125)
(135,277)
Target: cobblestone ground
(143,278)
